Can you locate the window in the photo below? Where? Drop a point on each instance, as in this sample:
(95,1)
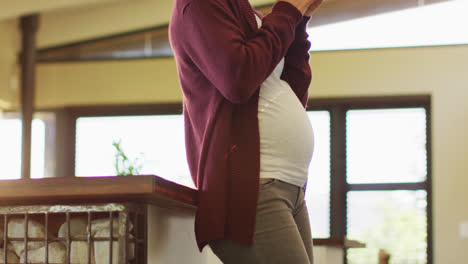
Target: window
(380,176)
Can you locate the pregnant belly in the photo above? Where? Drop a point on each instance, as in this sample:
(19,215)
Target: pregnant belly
(286,135)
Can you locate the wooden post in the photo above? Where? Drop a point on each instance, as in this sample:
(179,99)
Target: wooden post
(29,25)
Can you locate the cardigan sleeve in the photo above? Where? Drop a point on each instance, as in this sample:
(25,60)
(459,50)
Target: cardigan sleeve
(235,63)
(297,72)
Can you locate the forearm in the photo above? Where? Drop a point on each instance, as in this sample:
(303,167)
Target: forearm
(297,72)
(301,44)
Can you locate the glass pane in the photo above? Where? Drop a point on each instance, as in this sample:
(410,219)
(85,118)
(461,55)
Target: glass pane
(394,221)
(386,145)
(318,185)
(156,144)
(10,151)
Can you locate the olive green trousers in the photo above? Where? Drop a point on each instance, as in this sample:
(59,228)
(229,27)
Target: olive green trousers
(282,230)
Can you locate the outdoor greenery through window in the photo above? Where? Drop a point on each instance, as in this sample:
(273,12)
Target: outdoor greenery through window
(394,221)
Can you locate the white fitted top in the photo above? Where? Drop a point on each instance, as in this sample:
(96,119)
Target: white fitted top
(286,135)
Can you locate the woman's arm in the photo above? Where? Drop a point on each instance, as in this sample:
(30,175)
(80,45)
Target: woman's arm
(297,72)
(234,63)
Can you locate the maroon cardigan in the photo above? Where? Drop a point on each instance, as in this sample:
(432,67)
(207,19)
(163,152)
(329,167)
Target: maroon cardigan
(222,59)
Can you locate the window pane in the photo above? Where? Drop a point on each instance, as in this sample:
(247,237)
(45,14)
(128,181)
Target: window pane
(10,151)
(318,186)
(394,221)
(157,141)
(386,145)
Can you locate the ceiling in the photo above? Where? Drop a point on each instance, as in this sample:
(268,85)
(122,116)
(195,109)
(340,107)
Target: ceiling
(17,8)
(331,10)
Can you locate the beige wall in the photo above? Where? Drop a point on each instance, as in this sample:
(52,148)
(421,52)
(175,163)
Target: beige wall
(85,23)
(131,81)
(9,45)
(171,237)
(439,71)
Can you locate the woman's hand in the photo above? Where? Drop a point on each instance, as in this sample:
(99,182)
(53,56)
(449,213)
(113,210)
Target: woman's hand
(312,8)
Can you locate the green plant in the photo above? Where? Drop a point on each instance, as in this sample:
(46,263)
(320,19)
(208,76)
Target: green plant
(122,164)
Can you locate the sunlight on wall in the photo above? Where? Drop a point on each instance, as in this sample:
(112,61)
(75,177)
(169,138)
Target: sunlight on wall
(436,24)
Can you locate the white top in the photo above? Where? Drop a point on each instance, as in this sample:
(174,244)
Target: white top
(286,135)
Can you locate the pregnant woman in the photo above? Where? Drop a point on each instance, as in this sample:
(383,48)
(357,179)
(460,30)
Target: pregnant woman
(249,142)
